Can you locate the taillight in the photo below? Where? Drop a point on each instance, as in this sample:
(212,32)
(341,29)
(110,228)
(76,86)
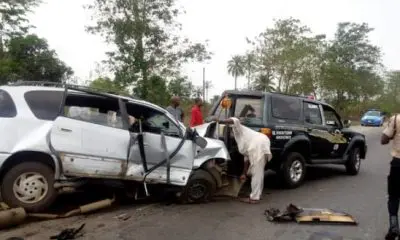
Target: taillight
(266,131)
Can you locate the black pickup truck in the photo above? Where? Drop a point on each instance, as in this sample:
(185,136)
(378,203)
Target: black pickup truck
(302,132)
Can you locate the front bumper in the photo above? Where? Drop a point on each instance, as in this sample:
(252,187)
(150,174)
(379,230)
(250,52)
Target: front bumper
(371,123)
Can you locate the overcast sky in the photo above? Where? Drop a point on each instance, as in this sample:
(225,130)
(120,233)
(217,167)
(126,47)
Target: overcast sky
(226,24)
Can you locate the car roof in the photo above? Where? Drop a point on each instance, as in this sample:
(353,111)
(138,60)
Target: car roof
(261,93)
(22,89)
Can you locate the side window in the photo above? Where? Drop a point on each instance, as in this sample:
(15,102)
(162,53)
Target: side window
(93,109)
(331,118)
(285,108)
(153,120)
(312,114)
(45,105)
(249,108)
(7,106)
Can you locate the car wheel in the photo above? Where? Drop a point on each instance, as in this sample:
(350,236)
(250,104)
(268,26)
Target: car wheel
(293,170)
(353,164)
(29,185)
(200,187)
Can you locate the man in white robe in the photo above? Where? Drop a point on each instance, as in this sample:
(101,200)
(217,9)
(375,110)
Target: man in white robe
(255,147)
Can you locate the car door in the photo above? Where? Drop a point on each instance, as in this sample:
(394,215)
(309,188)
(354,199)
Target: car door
(158,127)
(316,130)
(334,125)
(89,139)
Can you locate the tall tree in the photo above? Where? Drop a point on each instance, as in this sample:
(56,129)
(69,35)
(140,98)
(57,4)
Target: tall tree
(236,67)
(107,85)
(264,83)
(145,34)
(249,62)
(29,58)
(181,87)
(351,64)
(13,19)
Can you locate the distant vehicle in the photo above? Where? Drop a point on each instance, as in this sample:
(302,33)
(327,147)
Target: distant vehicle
(373,117)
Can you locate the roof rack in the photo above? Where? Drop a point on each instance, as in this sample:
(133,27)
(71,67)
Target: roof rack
(62,85)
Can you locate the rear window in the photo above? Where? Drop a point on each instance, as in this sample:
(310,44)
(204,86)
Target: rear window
(7,106)
(288,108)
(251,109)
(45,105)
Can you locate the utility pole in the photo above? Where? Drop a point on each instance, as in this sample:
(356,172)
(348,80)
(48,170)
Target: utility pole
(204,84)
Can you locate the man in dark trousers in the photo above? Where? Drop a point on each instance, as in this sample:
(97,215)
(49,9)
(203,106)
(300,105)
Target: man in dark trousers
(392,133)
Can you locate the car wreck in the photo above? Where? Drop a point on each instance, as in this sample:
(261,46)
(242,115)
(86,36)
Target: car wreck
(58,138)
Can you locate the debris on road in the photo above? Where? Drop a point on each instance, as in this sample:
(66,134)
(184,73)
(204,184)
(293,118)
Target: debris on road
(309,215)
(91,207)
(10,217)
(123,217)
(69,233)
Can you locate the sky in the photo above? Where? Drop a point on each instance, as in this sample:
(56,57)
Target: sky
(225,24)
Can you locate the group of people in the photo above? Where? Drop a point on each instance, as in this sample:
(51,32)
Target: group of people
(196,117)
(253,145)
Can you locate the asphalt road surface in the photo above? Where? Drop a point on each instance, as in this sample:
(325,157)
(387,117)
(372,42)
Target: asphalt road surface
(363,196)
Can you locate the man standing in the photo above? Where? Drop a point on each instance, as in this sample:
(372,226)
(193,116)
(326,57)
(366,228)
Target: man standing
(196,117)
(392,132)
(255,147)
(175,109)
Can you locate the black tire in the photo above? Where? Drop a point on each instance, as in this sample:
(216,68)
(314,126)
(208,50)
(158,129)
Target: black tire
(296,160)
(200,188)
(47,178)
(353,164)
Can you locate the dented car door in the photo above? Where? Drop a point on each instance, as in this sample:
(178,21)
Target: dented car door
(87,140)
(163,141)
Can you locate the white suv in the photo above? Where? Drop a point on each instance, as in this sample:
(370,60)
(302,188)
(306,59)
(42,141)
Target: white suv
(55,139)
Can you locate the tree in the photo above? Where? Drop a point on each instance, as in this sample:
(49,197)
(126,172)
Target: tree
(145,34)
(264,83)
(29,58)
(351,65)
(249,66)
(107,85)
(180,87)
(13,19)
(235,67)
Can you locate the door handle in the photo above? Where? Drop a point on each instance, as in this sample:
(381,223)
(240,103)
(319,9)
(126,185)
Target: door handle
(66,130)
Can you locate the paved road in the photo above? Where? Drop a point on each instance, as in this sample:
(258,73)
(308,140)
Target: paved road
(362,196)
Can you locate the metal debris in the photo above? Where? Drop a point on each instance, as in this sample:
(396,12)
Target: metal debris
(69,233)
(309,215)
(123,217)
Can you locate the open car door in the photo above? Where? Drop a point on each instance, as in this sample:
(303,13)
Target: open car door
(87,141)
(167,154)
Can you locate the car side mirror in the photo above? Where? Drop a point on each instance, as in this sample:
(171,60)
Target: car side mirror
(346,123)
(201,142)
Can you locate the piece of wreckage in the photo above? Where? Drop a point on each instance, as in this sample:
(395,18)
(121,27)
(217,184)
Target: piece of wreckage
(309,215)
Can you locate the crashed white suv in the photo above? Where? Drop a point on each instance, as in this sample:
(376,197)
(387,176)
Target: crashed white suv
(55,139)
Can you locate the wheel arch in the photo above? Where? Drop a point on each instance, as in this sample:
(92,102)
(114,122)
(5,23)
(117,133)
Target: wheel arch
(300,144)
(27,156)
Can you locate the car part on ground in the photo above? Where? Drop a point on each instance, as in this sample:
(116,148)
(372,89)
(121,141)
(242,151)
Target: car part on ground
(69,233)
(10,217)
(309,215)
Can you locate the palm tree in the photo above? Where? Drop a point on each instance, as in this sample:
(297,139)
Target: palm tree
(249,61)
(264,83)
(235,67)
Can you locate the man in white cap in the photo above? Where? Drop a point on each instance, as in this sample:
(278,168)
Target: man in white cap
(255,147)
